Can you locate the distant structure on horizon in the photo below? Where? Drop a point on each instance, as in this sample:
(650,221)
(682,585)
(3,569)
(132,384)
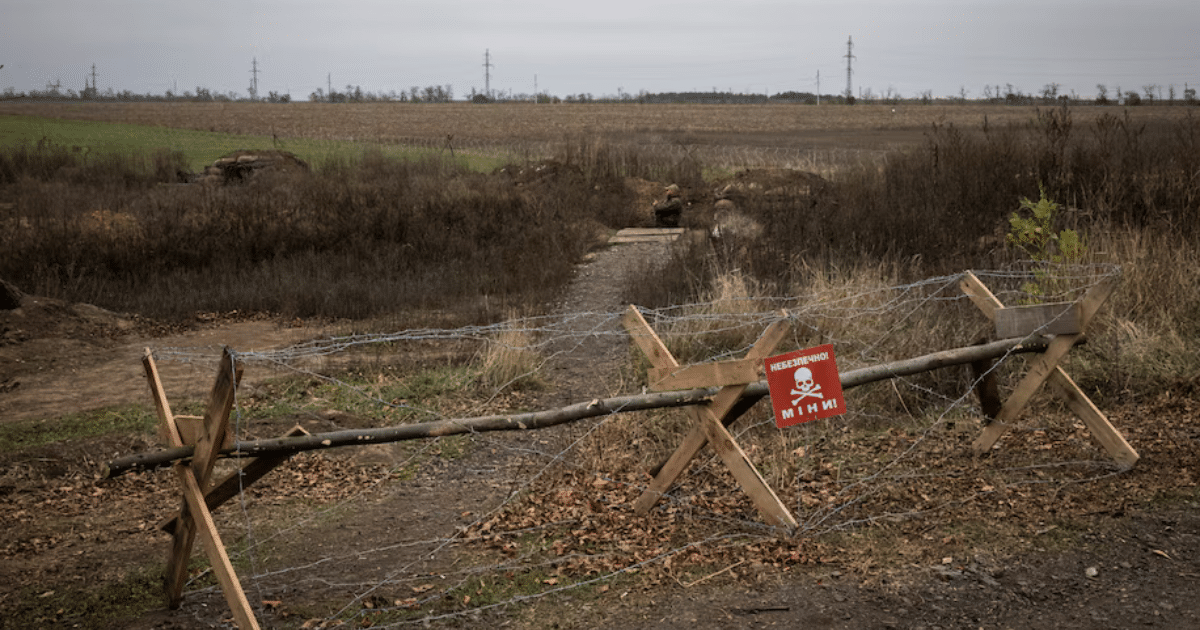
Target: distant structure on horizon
(487,73)
(254,79)
(849,60)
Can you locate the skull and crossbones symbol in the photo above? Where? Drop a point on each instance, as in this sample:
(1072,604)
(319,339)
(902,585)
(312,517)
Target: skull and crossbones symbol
(805,387)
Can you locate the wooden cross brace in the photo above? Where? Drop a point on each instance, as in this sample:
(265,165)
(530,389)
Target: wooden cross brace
(1044,368)
(194,515)
(709,424)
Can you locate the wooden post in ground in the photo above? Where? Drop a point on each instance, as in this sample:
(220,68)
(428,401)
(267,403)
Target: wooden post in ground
(194,516)
(708,427)
(1045,368)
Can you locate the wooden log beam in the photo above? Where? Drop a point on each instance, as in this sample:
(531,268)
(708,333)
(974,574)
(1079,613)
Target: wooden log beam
(572,413)
(237,481)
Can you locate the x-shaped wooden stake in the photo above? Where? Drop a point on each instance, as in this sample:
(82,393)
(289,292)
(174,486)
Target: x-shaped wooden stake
(708,427)
(194,516)
(1045,368)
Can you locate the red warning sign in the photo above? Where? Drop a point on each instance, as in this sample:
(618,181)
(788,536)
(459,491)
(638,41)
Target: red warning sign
(804,386)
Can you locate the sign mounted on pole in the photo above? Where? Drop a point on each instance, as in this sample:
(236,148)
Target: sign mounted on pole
(804,386)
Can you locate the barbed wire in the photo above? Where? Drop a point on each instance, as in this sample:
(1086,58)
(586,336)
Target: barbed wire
(866,325)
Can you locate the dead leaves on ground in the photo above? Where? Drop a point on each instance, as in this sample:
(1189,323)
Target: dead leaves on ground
(888,494)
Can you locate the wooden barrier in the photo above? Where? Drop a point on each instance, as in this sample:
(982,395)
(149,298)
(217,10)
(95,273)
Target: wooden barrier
(199,498)
(1045,367)
(594,408)
(194,516)
(715,394)
(708,426)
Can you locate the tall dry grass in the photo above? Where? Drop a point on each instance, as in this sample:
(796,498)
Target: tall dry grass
(510,359)
(355,238)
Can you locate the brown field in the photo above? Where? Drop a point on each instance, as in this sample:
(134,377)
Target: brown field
(779,126)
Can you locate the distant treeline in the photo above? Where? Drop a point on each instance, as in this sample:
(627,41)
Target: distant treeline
(1006,95)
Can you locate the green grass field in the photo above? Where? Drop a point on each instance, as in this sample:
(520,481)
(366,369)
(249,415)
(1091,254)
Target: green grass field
(201,148)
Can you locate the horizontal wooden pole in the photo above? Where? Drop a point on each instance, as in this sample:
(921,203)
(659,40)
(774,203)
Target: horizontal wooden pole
(572,413)
(239,480)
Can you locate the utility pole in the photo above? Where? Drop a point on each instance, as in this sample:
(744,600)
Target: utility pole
(94,90)
(849,59)
(329,86)
(487,72)
(254,79)
(818,87)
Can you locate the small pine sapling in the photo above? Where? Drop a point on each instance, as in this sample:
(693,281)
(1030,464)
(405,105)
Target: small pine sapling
(1031,229)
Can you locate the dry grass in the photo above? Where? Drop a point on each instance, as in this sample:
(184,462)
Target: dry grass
(510,359)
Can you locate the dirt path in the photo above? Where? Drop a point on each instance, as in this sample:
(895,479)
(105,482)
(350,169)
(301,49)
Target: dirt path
(588,361)
(69,375)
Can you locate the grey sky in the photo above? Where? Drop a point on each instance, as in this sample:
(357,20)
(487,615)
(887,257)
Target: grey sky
(600,46)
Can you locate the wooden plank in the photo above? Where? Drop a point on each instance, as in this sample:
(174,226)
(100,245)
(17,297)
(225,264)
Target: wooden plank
(183,537)
(739,409)
(676,464)
(1109,438)
(747,476)
(715,374)
(237,481)
(216,417)
(215,549)
(1059,318)
(1095,298)
(982,296)
(168,431)
(650,231)
(1041,367)
(620,239)
(695,440)
(646,339)
(189,428)
(182,540)
(1039,370)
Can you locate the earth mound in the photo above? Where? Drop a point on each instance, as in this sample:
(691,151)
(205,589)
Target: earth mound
(243,164)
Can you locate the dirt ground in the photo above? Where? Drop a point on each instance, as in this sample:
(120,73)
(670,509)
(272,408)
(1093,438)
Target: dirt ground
(1118,553)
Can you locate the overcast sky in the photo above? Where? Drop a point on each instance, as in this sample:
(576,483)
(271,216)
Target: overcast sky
(601,46)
